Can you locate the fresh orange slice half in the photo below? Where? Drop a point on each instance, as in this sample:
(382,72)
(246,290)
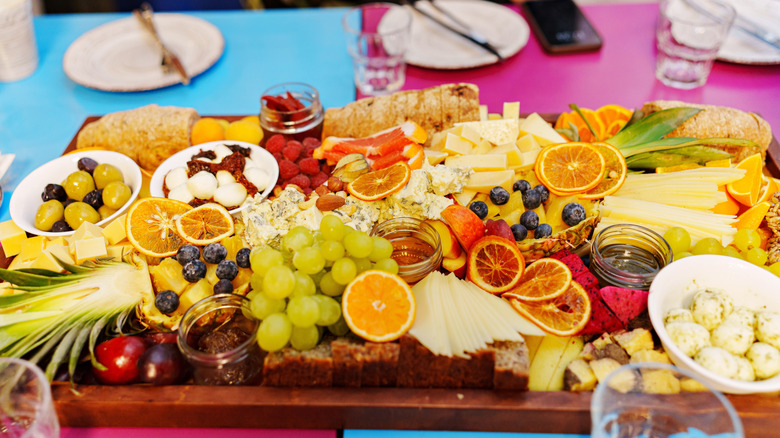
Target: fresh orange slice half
(151,226)
(570,168)
(206,224)
(564,315)
(615,171)
(495,264)
(378,306)
(542,280)
(746,189)
(612,113)
(381,183)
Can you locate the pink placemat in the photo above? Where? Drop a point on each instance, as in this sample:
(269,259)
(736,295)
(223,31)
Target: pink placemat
(127,432)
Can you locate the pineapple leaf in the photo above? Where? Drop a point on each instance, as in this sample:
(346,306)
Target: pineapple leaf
(651,128)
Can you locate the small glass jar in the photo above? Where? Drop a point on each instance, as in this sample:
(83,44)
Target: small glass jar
(294,125)
(629,256)
(416,246)
(218,337)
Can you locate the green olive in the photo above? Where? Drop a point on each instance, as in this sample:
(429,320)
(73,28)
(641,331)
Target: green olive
(48,213)
(105,211)
(106,173)
(115,194)
(78,184)
(79,212)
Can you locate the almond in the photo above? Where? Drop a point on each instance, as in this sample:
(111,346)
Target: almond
(321,190)
(329,201)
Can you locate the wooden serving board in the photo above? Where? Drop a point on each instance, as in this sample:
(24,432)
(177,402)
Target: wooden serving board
(361,408)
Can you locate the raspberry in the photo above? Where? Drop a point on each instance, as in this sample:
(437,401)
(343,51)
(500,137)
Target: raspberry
(326,168)
(287,169)
(311,143)
(293,150)
(277,156)
(319,179)
(309,166)
(300,180)
(275,143)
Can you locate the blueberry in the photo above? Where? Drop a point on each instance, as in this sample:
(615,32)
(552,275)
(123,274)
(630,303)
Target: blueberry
(499,195)
(519,231)
(187,253)
(227,270)
(61,226)
(479,208)
(573,213)
(544,194)
(214,253)
(532,199)
(87,165)
(529,219)
(94,198)
(194,271)
(521,185)
(223,287)
(543,230)
(242,258)
(166,302)
(54,191)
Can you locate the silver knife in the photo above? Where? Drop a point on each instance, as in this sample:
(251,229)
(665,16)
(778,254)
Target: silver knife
(144,16)
(476,40)
(757,31)
(466,28)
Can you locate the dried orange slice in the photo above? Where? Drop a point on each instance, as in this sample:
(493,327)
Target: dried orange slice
(378,306)
(380,183)
(595,122)
(542,280)
(612,113)
(151,226)
(746,189)
(495,264)
(615,171)
(206,224)
(564,315)
(570,168)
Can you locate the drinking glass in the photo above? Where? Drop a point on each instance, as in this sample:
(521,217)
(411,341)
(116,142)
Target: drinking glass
(377,38)
(26,407)
(18,50)
(689,34)
(639,400)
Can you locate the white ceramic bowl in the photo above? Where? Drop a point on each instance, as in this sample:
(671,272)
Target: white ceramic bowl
(27,196)
(181,158)
(747,284)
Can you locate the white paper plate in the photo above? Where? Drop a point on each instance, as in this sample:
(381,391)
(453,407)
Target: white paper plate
(433,46)
(742,48)
(122,56)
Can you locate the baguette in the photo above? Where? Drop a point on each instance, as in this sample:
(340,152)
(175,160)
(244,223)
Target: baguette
(720,121)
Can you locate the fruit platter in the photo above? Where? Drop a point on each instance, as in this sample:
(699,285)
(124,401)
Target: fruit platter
(420,264)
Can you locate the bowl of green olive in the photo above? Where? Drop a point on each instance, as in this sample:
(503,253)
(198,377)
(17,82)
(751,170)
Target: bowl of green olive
(89,186)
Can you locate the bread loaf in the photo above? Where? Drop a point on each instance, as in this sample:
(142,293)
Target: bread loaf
(720,121)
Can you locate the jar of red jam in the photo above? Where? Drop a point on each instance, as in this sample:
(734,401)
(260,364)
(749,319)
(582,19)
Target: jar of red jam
(292,109)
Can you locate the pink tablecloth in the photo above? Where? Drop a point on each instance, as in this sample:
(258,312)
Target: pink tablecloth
(622,72)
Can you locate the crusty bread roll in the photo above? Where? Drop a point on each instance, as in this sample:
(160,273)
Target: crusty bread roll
(720,121)
(149,134)
(435,109)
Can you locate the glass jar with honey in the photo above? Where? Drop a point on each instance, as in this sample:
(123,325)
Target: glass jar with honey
(416,246)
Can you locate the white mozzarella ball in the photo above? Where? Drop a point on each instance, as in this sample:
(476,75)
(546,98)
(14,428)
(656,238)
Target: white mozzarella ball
(718,360)
(230,195)
(768,327)
(745,370)
(181,193)
(176,177)
(202,185)
(224,177)
(765,360)
(688,336)
(222,151)
(734,338)
(678,315)
(710,308)
(259,177)
(250,163)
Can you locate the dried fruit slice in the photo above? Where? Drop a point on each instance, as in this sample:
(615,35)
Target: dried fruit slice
(381,183)
(564,315)
(569,168)
(615,171)
(151,226)
(206,224)
(378,306)
(542,280)
(612,113)
(495,264)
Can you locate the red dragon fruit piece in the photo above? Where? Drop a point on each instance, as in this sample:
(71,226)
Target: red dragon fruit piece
(625,304)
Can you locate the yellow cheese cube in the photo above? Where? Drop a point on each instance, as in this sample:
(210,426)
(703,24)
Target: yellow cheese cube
(457,145)
(437,140)
(513,155)
(56,241)
(18,263)
(495,131)
(118,252)
(115,231)
(47,261)
(483,113)
(512,110)
(529,160)
(483,147)
(479,163)
(470,134)
(536,125)
(85,231)
(527,143)
(11,238)
(434,157)
(90,248)
(482,182)
(32,248)
(61,252)
(464,197)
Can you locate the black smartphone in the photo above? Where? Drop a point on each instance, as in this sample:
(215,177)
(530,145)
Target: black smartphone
(560,26)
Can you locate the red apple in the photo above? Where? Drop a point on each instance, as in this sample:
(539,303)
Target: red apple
(449,243)
(464,223)
(499,228)
(455,265)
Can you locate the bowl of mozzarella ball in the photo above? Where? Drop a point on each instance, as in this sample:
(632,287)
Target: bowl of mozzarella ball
(226,172)
(719,317)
